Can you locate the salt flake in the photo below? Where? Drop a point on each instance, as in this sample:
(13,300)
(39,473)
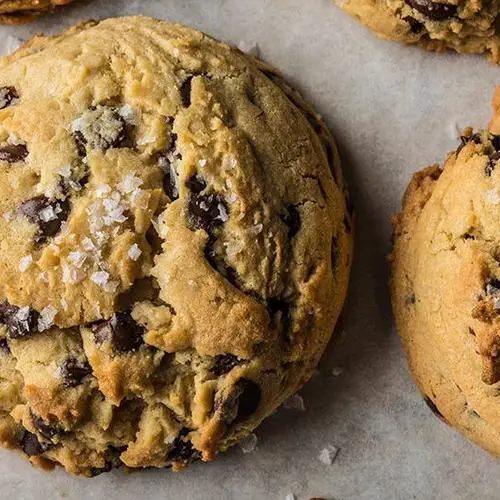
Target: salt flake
(296,402)
(134,252)
(328,455)
(493,197)
(47,315)
(248,443)
(25,263)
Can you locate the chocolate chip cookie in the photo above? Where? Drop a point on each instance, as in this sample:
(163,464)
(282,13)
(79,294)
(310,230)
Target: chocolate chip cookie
(175,245)
(446,284)
(467,26)
(23,11)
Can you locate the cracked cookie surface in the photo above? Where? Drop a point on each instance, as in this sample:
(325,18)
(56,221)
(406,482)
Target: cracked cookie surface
(446,284)
(176,244)
(467,26)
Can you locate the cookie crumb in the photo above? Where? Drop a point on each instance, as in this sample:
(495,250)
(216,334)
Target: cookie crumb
(296,402)
(328,455)
(248,443)
(25,263)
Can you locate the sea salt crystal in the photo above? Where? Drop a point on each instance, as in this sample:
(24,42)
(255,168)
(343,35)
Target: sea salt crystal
(78,125)
(7,216)
(71,275)
(223,215)
(128,113)
(175,52)
(77,258)
(15,140)
(257,229)
(47,315)
(202,163)
(65,172)
(102,190)
(493,197)
(229,163)
(48,213)
(134,252)
(147,139)
(88,244)
(100,278)
(12,44)
(296,402)
(23,313)
(110,286)
(130,183)
(328,455)
(25,263)
(248,443)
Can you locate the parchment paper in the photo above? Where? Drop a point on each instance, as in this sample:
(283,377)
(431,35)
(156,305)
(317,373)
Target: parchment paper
(393,109)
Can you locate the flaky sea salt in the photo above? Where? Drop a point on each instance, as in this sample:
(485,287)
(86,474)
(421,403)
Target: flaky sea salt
(229,163)
(77,258)
(71,275)
(175,52)
(88,244)
(78,125)
(492,196)
(128,113)
(296,402)
(134,252)
(100,278)
(328,455)
(248,443)
(257,229)
(7,216)
(147,139)
(110,286)
(202,162)
(130,183)
(23,313)
(48,213)
(15,140)
(65,172)
(102,190)
(12,43)
(25,263)
(223,215)
(46,320)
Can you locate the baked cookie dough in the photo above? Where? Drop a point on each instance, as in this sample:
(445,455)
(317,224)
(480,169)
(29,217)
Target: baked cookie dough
(175,245)
(467,26)
(23,11)
(446,284)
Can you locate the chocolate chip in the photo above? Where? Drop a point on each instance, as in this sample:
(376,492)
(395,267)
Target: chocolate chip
(415,26)
(241,403)
(433,10)
(185,91)
(20,322)
(492,163)
(410,299)
(196,183)
(170,177)
(292,220)
(47,430)
(224,363)
(182,449)
(434,408)
(100,127)
(73,372)
(492,286)
(121,330)
(7,96)
(48,214)
(4,346)
(97,471)
(495,141)
(206,212)
(468,236)
(13,153)
(31,446)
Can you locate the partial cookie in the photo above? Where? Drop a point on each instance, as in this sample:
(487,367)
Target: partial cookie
(175,245)
(24,11)
(446,284)
(467,26)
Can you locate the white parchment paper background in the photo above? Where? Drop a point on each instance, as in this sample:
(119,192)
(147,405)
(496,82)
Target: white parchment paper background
(393,109)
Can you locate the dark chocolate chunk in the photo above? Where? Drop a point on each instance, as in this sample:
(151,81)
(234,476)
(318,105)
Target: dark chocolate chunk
(20,322)
(73,372)
(185,91)
(182,449)
(468,236)
(47,430)
(415,26)
(292,220)
(224,363)
(121,330)
(241,403)
(434,408)
(13,153)
(495,141)
(97,471)
(493,286)
(4,346)
(434,10)
(492,163)
(80,144)
(196,183)
(47,214)
(7,96)
(465,139)
(31,446)
(206,212)
(410,299)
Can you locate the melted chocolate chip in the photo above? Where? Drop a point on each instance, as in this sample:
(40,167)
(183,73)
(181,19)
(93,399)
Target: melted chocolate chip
(185,91)
(4,346)
(121,330)
(47,430)
(495,141)
(7,96)
(292,220)
(196,183)
(468,236)
(224,363)
(241,403)
(182,449)
(415,26)
(492,163)
(73,372)
(13,153)
(47,214)
(433,10)
(206,212)
(434,408)
(20,322)
(31,446)
(492,286)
